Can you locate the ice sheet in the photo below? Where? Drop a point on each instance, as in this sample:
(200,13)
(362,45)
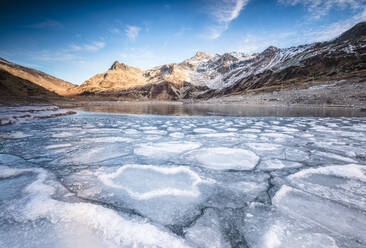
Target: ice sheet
(109,180)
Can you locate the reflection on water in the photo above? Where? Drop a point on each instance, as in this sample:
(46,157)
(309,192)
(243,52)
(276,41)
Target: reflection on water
(219,109)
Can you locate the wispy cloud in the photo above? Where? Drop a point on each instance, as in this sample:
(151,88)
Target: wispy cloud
(181,31)
(46,24)
(334,29)
(52,56)
(132,32)
(74,48)
(228,10)
(224,11)
(141,53)
(257,42)
(114,30)
(94,46)
(252,43)
(319,8)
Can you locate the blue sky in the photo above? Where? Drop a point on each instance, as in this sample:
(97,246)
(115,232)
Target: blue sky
(74,40)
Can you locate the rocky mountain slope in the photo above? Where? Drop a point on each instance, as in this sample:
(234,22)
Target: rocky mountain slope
(16,89)
(166,82)
(204,75)
(342,58)
(28,79)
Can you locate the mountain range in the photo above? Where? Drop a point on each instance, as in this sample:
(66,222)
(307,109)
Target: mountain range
(206,76)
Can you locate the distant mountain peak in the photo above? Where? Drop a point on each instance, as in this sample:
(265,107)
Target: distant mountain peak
(228,57)
(202,56)
(357,32)
(270,50)
(119,66)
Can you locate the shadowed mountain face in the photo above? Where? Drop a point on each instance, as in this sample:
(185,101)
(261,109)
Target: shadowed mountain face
(356,32)
(205,75)
(16,89)
(49,83)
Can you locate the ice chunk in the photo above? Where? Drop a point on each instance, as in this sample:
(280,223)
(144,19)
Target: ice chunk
(345,184)
(328,155)
(333,216)
(148,128)
(352,171)
(295,154)
(165,149)
(276,137)
(166,195)
(146,181)
(253,130)
(266,227)
(204,130)
(223,158)
(284,235)
(159,132)
(176,135)
(207,231)
(131,131)
(264,146)
(95,154)
(275,164)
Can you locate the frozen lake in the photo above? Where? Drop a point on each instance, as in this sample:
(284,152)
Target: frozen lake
(116,180)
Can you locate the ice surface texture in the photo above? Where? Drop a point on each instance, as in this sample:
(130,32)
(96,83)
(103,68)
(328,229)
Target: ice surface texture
(106,180)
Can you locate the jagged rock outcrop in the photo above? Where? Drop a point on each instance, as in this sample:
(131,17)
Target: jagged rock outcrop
(119,77)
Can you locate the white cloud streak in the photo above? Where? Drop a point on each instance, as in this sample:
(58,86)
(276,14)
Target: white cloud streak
(94,46)
(132,32)
(114,30)
(319,8)
(46,55)
(257,42)
(224,11)
(335,29)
